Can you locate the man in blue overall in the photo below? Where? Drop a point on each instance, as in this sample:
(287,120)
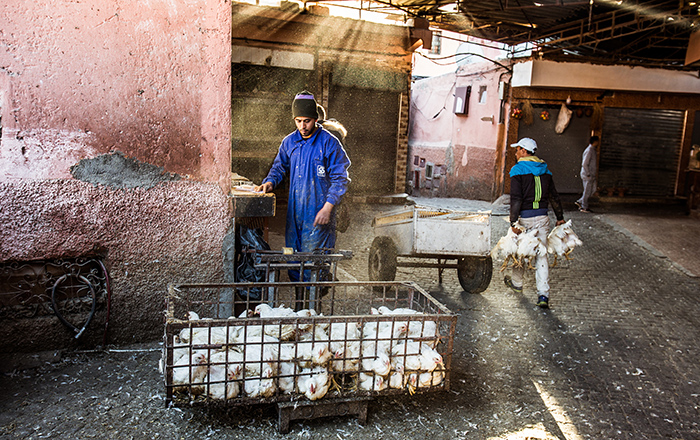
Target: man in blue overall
(317,166)
(531,190)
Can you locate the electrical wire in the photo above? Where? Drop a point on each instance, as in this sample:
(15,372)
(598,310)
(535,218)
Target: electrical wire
(462,54)
(444,105)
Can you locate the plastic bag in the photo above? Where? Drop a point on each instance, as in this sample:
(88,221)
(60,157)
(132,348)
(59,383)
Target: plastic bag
(563,119)
(249,239)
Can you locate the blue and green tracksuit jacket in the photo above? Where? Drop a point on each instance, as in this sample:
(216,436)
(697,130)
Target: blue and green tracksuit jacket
(532,190)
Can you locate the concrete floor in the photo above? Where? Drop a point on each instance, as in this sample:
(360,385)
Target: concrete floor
(669,232)
(615,357)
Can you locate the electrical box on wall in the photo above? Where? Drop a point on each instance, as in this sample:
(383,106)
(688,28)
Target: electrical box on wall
(462,100)
(502,90)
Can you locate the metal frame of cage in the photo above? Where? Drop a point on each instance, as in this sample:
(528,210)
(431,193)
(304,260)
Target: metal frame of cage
(346,302)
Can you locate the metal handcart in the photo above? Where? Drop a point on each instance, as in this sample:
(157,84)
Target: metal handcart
(456,239)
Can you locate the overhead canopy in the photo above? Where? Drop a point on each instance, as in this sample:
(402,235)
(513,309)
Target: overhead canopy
(634,32)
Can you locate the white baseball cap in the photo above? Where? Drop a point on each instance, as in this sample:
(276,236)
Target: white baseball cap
(526,143)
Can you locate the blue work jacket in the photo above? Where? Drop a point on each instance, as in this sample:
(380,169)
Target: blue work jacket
(318,173)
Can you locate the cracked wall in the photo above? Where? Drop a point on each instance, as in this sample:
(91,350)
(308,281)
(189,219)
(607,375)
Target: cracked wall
(117,171)
(116,136)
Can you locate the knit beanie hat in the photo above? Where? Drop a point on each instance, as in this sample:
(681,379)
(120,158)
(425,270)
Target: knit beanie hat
(304,106)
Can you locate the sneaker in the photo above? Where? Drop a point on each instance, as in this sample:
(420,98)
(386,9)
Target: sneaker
(509,282)
(543,302)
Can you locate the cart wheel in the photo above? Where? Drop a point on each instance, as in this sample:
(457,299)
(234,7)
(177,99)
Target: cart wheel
(474,273)
(382,260)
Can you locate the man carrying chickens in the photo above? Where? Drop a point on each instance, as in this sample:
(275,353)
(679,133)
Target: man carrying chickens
(531,192)
(317,166)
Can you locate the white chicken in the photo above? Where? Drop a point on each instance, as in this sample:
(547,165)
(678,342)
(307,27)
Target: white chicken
(280,331)
(412,382)
(406,357)
(414,356)
(572,239)
(209,334)
(192,316)
(431,378)
(191,370)
(305,313)
(506,249)
(430,358)
(395,350)
(311,352)
(345,345)
(265,311)
(245,314)
(287,374)
(319,332)
(226,357)
(259,387)
(561,241)
(383,310)
(342,331)
(379,364)
(413,329)
(287,369)
(179,350)
(388,329)
(260,353)
(383,332)
(529,247)
(425,330)
(253,368)
(371,382)
(218,335)
(314,382)
(186,332)
(222,381)
(397,380)
(378,339)
(347,357)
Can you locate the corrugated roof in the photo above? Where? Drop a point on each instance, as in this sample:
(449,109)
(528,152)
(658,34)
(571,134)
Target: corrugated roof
(635,32)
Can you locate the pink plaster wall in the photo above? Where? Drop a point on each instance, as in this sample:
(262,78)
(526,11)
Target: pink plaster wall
(169,233)
(467,145)
(150,79)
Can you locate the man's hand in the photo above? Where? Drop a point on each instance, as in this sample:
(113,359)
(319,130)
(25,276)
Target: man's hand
(515,230)
(264,188)
(323,217)
(560,222)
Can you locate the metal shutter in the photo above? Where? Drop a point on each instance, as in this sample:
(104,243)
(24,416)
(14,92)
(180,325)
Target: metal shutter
(640,151)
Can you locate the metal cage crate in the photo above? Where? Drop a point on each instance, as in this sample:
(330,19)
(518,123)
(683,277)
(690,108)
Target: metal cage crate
(249,348)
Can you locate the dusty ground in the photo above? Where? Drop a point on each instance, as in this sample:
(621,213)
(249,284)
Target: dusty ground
(615,357)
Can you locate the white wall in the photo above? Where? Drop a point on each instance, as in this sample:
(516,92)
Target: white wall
(591,76)
(471,50)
